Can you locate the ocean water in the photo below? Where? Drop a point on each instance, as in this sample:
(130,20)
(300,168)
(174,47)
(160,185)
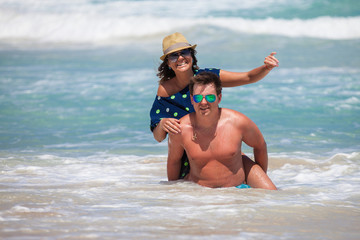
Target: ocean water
(77,81)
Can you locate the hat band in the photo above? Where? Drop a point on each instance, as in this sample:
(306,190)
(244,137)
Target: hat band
(175,46)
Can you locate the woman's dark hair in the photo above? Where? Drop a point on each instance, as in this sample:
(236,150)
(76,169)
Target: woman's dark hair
(165,73)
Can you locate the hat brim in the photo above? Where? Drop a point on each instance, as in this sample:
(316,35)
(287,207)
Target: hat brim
(177,49)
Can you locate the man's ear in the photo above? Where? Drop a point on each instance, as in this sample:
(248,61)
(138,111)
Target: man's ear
(192,99)
(219,96)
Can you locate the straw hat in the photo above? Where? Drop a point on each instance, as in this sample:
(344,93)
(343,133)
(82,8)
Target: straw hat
(173,43)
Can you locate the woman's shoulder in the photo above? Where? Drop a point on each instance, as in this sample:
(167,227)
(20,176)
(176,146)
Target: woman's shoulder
(212,70)
(167,89)
(162,91)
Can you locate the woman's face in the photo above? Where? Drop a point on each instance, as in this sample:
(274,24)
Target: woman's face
(180,60)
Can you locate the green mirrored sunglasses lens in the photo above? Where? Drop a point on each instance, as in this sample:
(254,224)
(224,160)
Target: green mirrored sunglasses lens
(210,98)
(198,98)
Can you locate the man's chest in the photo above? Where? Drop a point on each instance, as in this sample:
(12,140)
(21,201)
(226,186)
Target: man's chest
(222,145)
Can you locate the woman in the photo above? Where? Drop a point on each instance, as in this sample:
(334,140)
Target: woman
(173,98)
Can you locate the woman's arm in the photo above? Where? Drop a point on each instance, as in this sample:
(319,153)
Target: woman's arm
(159,133)
(233,79)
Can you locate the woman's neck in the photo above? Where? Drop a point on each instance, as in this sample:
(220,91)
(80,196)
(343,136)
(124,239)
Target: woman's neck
(183,79)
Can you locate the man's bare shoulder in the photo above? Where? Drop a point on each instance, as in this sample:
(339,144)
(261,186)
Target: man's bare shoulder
(185,121)
(234,117)
(186,128)
(230,113)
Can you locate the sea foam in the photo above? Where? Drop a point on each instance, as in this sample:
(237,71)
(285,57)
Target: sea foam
(102,29)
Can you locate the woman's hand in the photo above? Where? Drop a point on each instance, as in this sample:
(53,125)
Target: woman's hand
(271,61)
(170,125)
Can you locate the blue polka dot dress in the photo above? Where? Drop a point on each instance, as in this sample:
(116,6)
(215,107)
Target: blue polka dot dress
(175,106)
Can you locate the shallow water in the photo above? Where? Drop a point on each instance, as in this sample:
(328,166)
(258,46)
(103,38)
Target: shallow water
(111,197)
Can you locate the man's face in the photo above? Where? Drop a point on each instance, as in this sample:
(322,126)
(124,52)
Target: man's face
(204,94)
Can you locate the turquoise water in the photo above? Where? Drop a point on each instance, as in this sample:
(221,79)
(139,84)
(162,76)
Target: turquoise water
(53,99)
(77,81)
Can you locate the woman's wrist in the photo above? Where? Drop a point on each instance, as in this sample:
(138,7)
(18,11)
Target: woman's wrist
(267,68)
(159,133)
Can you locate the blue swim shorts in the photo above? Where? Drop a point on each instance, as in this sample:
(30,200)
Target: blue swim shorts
(243,186)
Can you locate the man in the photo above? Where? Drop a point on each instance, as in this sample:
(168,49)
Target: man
(212,138)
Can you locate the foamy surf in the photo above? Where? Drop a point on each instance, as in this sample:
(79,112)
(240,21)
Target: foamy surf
(102,30)
(110,195)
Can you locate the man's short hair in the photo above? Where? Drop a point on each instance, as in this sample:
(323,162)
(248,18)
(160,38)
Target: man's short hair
(205,78)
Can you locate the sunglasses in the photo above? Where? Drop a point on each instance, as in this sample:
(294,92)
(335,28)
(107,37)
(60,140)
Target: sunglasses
(173,57)
(210,98)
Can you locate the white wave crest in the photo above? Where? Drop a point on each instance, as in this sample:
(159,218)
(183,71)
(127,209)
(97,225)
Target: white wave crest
(322,27)
(103,29)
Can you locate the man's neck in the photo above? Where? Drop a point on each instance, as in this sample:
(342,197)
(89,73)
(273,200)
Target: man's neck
(208,121)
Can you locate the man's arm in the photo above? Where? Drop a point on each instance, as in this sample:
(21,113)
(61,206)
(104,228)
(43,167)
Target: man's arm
(175,153)
(253,138)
